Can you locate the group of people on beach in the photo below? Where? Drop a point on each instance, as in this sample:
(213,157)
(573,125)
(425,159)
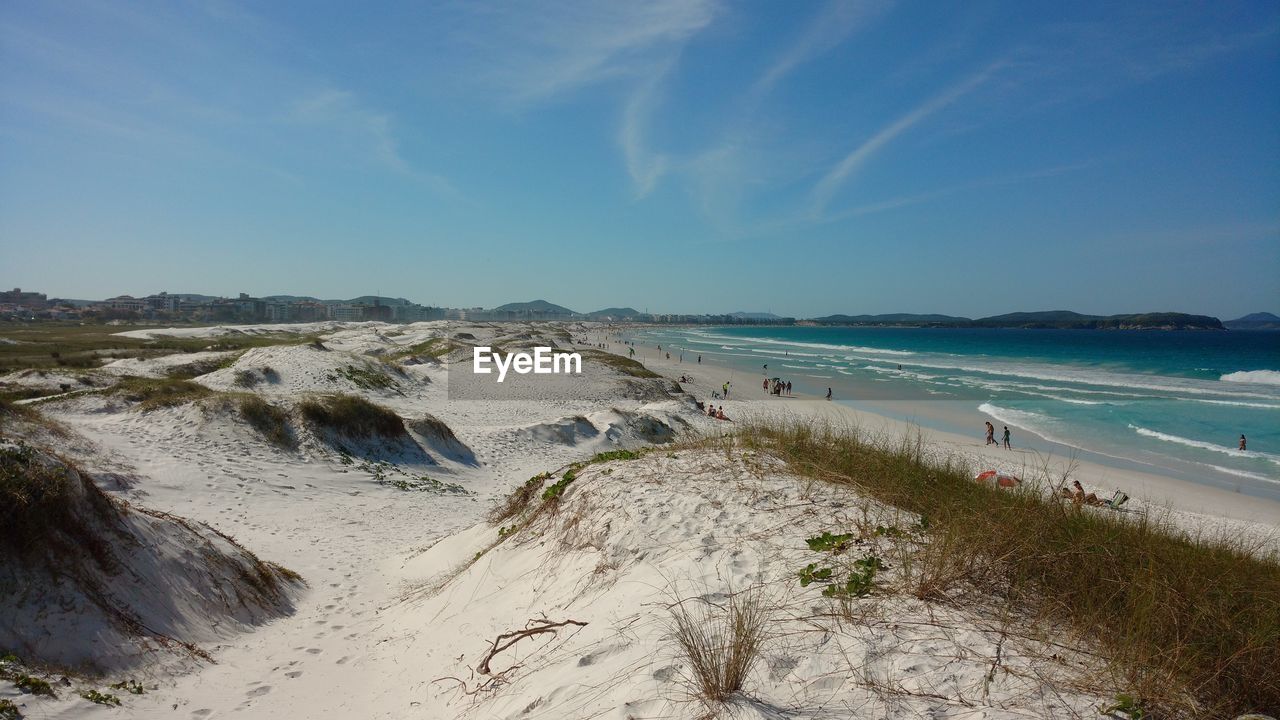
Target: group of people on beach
(991,436)
(777,387)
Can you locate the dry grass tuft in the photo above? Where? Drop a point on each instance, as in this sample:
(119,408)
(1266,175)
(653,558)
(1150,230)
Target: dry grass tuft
(721,643)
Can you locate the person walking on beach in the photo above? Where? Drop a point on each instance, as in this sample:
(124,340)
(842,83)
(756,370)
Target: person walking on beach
(1006,438)
(1242,442)
(764,384)
(631,352)
(699,359)
(725,387)
(991,433)
(788,387)
(828,393)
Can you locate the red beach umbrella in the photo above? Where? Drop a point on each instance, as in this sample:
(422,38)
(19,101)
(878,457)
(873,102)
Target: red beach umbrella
(999,479)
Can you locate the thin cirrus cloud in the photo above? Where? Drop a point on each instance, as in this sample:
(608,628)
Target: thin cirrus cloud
(830,183)
(532,52)
(828,28)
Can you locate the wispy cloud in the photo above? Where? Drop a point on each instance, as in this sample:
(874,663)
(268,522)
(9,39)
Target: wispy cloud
(828,28)
(342,112)
(534,51)
(645,166)
(851,163)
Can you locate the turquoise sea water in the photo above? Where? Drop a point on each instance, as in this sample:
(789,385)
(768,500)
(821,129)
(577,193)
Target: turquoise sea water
(1173,401)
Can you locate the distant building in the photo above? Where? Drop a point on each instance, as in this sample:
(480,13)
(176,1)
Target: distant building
(346,313)
(32,300)
(126,303)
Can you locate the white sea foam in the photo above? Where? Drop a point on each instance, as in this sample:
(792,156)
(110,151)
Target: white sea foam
(1261,377)
(1244,473)
(1224,449)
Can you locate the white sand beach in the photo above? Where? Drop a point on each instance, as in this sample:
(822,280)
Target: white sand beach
(408,586)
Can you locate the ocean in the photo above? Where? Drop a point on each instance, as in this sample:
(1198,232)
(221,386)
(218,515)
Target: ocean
(1174,402)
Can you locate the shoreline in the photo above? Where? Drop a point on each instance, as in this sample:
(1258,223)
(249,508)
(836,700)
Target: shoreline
(1152,489)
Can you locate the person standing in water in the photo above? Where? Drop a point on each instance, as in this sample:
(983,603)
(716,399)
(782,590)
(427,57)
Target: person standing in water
(1242,442)
(828,393)
(1006,438)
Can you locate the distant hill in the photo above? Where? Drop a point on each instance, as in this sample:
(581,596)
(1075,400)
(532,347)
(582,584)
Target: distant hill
(615,312)
(1052,319)
(290,298)
(370,300)
(892,319)
(1254,321)
(538,306)
(755,315)
(1067,320)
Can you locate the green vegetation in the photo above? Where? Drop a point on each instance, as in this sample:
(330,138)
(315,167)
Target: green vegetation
(9,711)
(365,378)
(352,416)
(626,366)
(423,483)
(826,542)
(100,698)
(812,574)
(33,685)
(153,393)
(861,580)
(130,686)
(1190,624)
(518,501)
(557,488)
(267,419)
(433,349)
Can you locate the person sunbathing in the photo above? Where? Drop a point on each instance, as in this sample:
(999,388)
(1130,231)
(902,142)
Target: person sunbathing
(1081,497)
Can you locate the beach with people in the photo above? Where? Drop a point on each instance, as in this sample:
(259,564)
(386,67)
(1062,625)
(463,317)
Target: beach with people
(1036,455)
(396,536)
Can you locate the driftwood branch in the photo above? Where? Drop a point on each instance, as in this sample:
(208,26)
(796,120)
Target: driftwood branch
(506,640)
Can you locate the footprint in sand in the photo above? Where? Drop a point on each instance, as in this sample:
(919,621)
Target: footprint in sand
(314,651)
(294,674)
(343,660)
(258,691)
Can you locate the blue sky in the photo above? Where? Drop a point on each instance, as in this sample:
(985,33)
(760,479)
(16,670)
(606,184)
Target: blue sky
(677,156)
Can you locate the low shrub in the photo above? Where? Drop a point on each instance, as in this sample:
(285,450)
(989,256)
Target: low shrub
(100,698)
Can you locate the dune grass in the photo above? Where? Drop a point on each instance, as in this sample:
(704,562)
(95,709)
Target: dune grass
(1191,625)
(352,416)
(267,419)
(626,366)
(39,516)
(153,393)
